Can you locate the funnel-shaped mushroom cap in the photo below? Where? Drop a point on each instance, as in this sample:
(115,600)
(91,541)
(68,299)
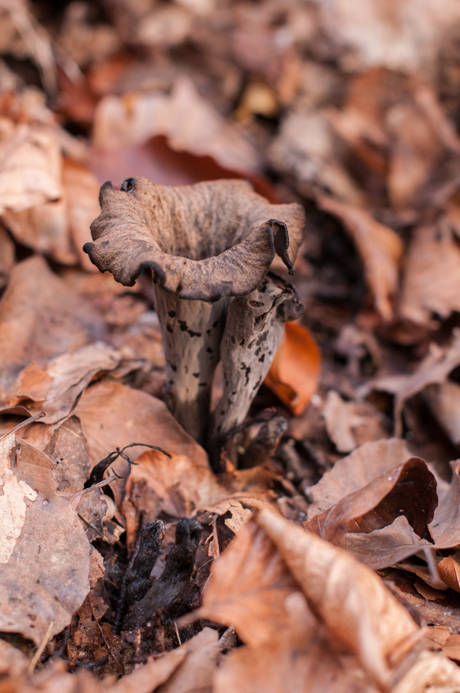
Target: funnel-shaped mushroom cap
(201,241)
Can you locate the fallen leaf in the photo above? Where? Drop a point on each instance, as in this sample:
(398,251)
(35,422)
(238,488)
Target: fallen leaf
(30,166)
(350,424)
(134,118)
(55,389)
(431,279)
(445,527)
(348,598)
(408,488)
(355,471)
(432,672)
(45,553)
(197,670)
(444,402)
(81,192)
(449,572)
(249,588)
(41,319)
(295,369)
(293,661)
(113,415)
(380,249)
(382,548)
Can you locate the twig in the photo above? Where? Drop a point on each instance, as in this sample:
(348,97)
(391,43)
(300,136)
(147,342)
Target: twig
(33,662)
(27,421)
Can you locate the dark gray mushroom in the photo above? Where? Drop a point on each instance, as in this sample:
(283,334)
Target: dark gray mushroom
(209,247)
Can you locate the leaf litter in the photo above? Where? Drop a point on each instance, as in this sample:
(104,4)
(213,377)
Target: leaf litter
(147,544)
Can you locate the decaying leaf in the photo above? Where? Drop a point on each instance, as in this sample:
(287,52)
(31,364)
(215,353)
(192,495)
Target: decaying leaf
(54,389)
(41,319)
(42,581)
(349,599)
(30,166)
(253,582)
(135,118)
(113,415)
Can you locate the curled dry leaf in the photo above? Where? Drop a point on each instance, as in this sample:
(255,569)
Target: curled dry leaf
(449,572)
(349,599)
(54,389)
(136,117)
(295,370)
(249,588)
(444,402)
(41,318)
(355,471)
(42,582)
(380,249)
(406,489)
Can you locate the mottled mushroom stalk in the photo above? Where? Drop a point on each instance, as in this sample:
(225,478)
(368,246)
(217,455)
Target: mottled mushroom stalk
(209,247)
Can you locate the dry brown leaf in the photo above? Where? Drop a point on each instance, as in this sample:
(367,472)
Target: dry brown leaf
(196,672)
(449,572)
(431,280)
(434,369)
(355,471)
(59,228)
(185,669)
(42,581)
(408,488)
(113,415)
(30,163)
(380,249)
(350,424)
(444,402)
(384,547)
(249,589)
(445,528)
(401,35)
(348,597)
(135,117)
(41,319)
(294,373)
(432,673)
(294,661)
(54,389)
(81,192)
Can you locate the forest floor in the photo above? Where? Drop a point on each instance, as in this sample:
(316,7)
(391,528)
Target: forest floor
(325,553)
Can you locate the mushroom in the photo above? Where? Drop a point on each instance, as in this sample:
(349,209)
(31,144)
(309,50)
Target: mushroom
(209,247)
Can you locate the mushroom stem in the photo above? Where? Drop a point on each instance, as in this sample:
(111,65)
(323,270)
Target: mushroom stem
(191,332)
(253,332)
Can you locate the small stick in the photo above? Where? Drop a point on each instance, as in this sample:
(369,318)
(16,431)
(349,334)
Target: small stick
(21,424)
(34,661)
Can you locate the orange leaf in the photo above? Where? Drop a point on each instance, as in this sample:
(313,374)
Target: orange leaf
(294,373)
